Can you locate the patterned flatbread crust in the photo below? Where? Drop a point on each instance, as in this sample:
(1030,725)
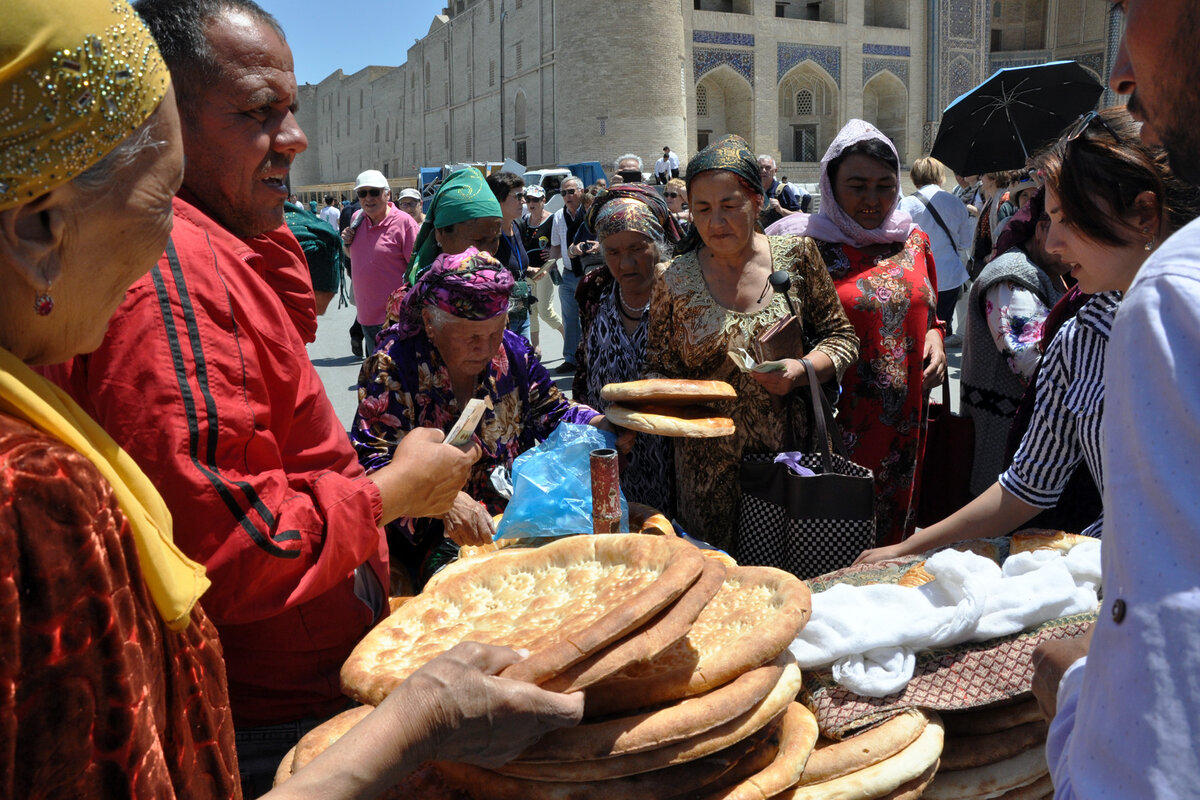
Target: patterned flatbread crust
(647,642)
(650,730)
(797,736)
(752,619)
(768,711)
(990,780)
(878,780)
(667,391)
(832,759)
(562,602)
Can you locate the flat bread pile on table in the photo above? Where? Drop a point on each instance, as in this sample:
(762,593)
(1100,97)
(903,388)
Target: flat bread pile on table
(690,687)
(994,752)
(670,407)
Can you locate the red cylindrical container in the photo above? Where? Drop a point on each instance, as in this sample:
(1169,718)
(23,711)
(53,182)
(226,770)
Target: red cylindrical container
(606,491)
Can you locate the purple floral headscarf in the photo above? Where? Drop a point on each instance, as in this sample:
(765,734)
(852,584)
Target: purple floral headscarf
(831,223)
(469,285)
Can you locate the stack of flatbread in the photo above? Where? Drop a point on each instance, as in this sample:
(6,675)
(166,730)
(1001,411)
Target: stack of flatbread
(994,752)
(670,407)
(689,685)
(896,760)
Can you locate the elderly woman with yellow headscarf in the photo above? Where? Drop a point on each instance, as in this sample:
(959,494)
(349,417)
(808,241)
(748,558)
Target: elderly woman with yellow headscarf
(111,677)
(450,345)
(716,296)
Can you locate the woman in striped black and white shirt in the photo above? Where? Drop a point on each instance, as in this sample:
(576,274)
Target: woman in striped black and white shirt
(1110,198)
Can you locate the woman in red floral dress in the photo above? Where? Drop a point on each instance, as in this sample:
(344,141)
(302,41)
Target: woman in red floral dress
(883,270)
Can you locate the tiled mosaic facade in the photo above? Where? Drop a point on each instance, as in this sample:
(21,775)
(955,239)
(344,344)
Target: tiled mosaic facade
(722,37)
(705,60)
(828,58)
(873,66)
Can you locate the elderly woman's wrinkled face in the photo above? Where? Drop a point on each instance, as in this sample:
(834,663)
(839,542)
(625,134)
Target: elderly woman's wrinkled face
(631,258)
(865,189)
(467,346)
(723,211)
(482,233)
(111,242)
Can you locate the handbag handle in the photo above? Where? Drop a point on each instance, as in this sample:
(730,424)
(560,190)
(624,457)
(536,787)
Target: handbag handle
(823,417)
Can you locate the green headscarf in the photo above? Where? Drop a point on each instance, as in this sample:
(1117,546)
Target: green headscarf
(732,154)
(464,195)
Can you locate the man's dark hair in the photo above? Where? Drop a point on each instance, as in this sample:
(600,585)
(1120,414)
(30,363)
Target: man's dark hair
(178,26)
(503,183)
(328,199)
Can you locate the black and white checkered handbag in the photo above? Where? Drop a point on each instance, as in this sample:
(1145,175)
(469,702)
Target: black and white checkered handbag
(807,525)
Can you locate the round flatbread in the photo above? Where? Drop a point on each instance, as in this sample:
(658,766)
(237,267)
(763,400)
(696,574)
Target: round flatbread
(682,780)
(767,712)
(754,616)
(990,780)
(285,767)
(667,391)
(562,602)
(968,752)
(797,735)
(832,759)
(689,422)
(990,719)
(878,780)
(914,789)
(917,575)
(647,642)
(677,722)
(318,740)
(1044,539)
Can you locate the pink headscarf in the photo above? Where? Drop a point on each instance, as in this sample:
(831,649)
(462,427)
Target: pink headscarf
(831,223)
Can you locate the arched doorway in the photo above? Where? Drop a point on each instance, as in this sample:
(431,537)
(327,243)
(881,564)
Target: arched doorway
(885,105)
(808,112)
(723,105)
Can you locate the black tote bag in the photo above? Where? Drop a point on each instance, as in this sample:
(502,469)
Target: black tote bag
(807,525)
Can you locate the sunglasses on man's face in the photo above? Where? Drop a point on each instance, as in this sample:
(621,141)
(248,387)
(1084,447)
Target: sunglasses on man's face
(570,191)
(520,195)
(371,192)
(670,194)
(534,199)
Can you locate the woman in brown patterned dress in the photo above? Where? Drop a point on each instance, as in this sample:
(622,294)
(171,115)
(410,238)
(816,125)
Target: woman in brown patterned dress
(714,297)
(112,683)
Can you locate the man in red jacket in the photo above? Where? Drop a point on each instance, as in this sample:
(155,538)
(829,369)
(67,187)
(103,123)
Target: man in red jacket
(204,379)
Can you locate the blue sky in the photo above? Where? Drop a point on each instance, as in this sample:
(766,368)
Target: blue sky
(326,35)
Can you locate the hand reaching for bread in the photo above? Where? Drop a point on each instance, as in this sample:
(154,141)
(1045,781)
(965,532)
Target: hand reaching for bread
(468,522)
(468,714)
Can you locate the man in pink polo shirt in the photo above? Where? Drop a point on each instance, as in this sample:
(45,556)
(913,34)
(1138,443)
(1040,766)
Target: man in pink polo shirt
(381,242)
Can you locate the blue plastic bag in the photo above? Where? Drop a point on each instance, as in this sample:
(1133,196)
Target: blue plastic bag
(552,485)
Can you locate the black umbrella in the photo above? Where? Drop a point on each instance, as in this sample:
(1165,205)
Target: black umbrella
(996,125)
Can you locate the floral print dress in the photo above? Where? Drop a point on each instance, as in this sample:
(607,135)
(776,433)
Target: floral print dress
(406,385)
(690,336)
(883,412)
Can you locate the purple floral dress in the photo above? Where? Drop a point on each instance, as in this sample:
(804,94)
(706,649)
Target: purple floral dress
(406,385)
(883,412)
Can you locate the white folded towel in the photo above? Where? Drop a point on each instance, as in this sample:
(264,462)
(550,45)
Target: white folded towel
(870,634)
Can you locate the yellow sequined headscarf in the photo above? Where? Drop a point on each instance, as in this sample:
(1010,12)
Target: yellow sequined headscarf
(76,78)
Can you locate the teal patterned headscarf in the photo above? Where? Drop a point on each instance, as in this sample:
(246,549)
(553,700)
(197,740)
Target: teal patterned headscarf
(464,195)
(732,154)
